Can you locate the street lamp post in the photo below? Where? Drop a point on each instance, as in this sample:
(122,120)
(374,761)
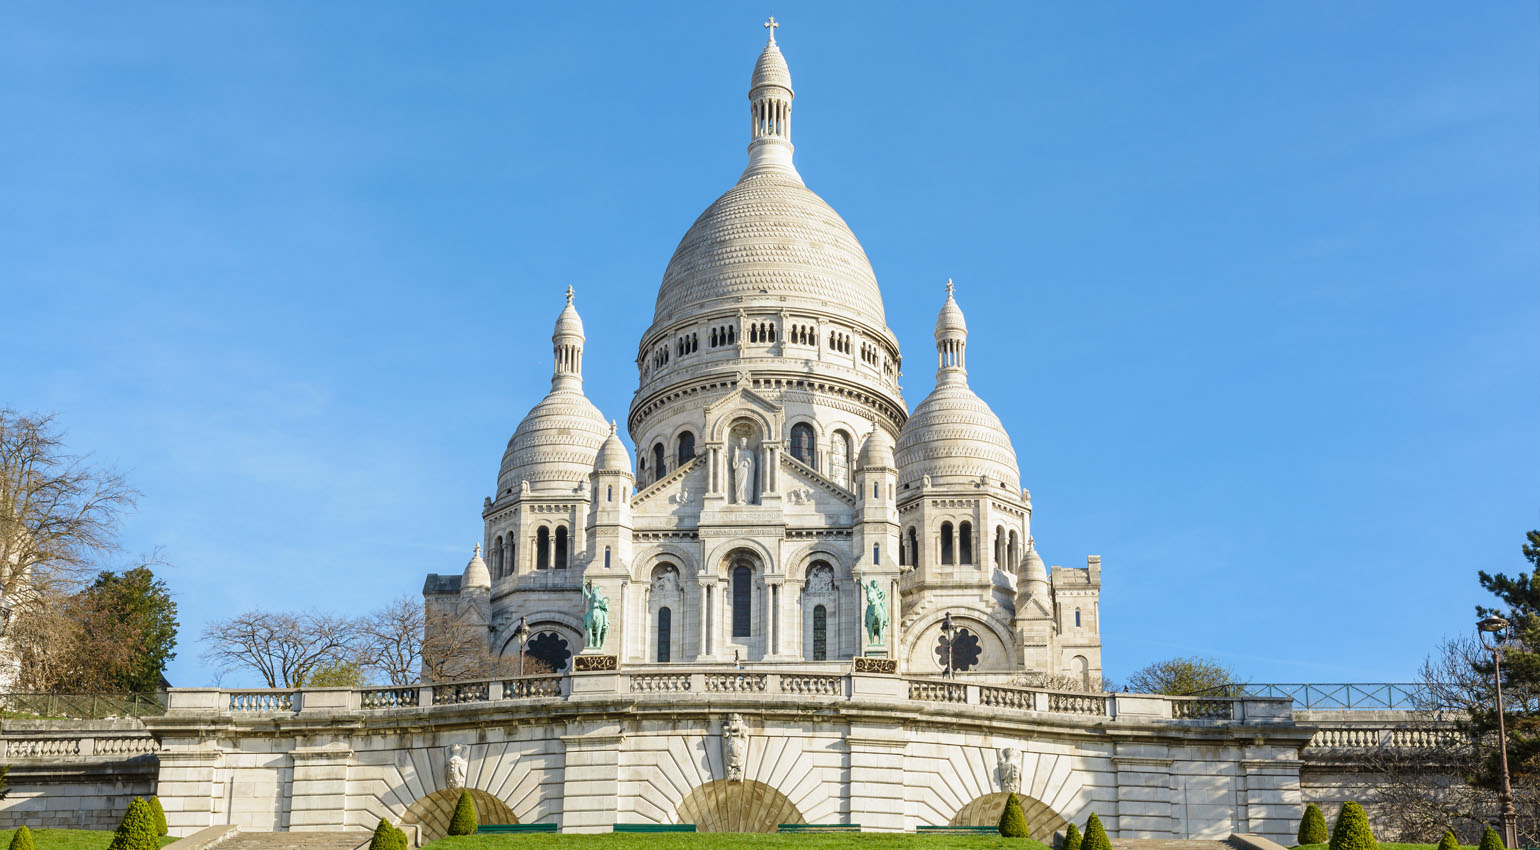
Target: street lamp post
(521,634)
(948,632)
(1498,628)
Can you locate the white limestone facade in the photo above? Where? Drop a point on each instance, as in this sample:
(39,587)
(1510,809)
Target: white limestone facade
(781,488)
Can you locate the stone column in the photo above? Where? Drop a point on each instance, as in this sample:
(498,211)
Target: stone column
(876,776)
(319,795)
(591,783)
(703,650)
(1271,799)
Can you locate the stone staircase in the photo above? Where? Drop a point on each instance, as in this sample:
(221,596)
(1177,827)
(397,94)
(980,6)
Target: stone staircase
(1163,844)
(350,840)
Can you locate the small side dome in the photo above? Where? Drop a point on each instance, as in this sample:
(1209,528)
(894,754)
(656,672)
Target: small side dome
(569,323)
(613,456)
(950,320)
(771,69)
(878,450)
(476,574)
(955,438)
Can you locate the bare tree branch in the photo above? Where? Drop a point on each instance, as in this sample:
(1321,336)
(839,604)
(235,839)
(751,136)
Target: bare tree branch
(281,647)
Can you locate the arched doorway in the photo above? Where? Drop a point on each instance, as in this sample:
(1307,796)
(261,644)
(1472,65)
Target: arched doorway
(1042,822)
(431,814)
(725,805)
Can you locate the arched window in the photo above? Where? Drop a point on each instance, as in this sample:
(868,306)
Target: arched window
(820,633)
(686,448)
(1081,669)
(665,629)
(497,557)
(657,461)
(802,443)
(561,547)
(609,493)
(965,543)
(914,547)
(543,548)
(606,557)
(839,459)
(1077,618)
(946,543)
(1000,548)
(743,600)
(1011,557)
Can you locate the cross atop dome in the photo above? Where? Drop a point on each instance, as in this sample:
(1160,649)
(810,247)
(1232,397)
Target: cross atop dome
(949,289)
(772,26)
(569,293)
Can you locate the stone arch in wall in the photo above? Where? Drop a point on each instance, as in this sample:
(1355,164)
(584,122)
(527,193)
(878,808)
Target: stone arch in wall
(431,814)
(725,805)
(1042,821)
(997,650)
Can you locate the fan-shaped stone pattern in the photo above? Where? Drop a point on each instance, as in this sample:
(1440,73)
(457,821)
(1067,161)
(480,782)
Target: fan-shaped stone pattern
(555,446)
(724,805)
(1042,822)
(432,813)
(953,434)
(770,237)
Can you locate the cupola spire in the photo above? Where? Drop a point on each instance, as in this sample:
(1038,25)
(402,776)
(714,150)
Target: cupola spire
(770,97)
(951,341)
(567,348)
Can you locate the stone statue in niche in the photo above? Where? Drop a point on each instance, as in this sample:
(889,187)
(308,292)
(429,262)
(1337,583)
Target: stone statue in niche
(925,481)
(666,581)
(735,746)
(596,617)
(454,771)
(743,472)
(820,580)
(1010,773)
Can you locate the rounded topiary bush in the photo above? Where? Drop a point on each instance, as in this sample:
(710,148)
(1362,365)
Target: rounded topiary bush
(464,821)
(384,837)
(1095,835)
(1490,840)
(1312,827)
(1448,842)
(1071,838)
(22,840)
(160,817)
(138,829)
(1013,821)
(1352,829)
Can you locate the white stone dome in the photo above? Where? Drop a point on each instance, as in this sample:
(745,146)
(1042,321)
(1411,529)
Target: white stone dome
(877,451)
(476,574)
(953,437)
(771,69)
(613,456)
(555,446)
(770,238)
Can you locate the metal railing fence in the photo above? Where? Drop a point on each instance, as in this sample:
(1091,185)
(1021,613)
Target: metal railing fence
(82,706)
(1350,696)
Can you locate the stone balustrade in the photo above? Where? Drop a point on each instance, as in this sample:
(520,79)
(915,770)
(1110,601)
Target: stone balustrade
(56,744)
(659,682)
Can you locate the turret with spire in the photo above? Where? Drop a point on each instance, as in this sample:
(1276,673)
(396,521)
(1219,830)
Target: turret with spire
(770,98)
(567,348)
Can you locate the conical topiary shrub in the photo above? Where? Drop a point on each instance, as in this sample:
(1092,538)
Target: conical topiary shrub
(1013,821)
(1490,840)
(1312,827)
(401,841)
(1071,838)
(137,831)
(160,817)
(22,840)
(1448,842)
(384,837)
(1095,835)
(464,822)
(1352,829)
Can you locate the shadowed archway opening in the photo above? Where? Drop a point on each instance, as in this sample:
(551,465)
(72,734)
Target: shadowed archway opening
(1042,822)
(432,813)
(725,805)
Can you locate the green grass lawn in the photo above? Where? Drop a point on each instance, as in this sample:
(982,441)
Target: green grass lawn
(69,839)
(746,841)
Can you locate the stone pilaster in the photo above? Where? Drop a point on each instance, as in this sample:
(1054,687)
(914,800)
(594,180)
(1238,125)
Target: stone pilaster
(187,777)
(1270,799)
(876,777)
(319,799)
(1144,793)
(592,777)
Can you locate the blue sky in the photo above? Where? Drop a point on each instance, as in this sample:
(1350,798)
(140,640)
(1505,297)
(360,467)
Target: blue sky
(1252,286)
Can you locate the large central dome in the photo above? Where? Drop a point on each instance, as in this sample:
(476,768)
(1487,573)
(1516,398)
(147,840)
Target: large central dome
(770,236)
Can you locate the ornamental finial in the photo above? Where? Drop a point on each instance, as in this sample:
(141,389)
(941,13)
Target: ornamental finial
(612,428)
(478,550)
(771,25)
(949,288)
(569,293)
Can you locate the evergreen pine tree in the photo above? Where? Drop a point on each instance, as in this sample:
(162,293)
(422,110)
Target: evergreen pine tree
(1448,842)
(1312,827)
(1071,838)
(1352,829)
(22,840)
(137,831)
(1490,840)
(1013,821)
(464,821)
(1095,835)
(160,817)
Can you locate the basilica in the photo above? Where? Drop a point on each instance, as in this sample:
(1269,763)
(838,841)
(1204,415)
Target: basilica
(785,506)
